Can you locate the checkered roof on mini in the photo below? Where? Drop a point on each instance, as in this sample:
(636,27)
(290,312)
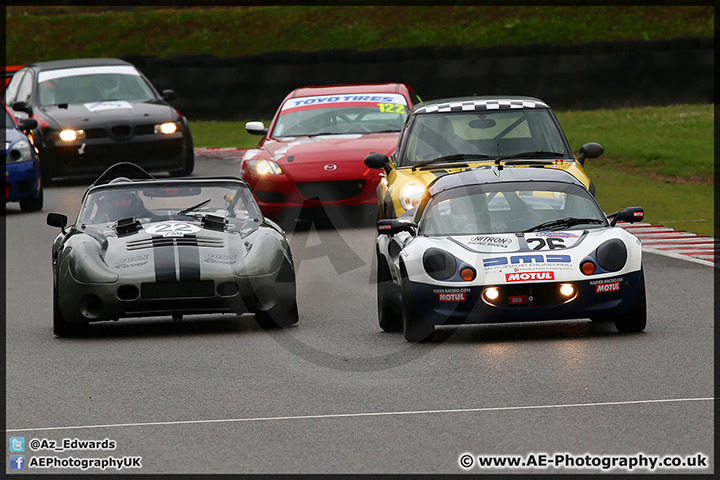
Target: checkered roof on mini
(481,104)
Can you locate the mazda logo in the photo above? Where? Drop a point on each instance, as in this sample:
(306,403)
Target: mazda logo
(330,167)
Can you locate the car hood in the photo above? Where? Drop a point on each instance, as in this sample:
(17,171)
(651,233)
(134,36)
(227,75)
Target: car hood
(329,148)
(12,136)
(87,115)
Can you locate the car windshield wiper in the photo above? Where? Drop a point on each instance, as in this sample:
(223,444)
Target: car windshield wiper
(190,209)
(536,154)
(563,223)
(450,158)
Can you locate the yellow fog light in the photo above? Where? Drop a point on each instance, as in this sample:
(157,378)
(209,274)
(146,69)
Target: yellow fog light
(567,290)
(166,128)
(71,135)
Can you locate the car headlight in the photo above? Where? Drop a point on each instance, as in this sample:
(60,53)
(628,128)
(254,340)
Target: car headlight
(265,167)
(70,135)
(167,128)
(410,195)
(439,264)
(19,152)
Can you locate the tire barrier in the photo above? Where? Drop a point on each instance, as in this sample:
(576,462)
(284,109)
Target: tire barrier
(568,76)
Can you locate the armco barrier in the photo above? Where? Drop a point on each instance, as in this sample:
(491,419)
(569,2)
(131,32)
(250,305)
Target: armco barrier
(578,76)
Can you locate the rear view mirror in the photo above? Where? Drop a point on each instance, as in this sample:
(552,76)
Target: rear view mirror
(159,192)
(168,95)
(394,226)
(256,128)
(28,124)
(629,215)
(590,150)
(57,220)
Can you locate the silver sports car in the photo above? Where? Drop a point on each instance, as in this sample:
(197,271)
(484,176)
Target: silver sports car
(151,247)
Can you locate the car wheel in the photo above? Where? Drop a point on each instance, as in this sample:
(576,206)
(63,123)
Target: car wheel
(414,328)
(636,319)
(32,204)
(388,318)
(275,317)
(62,328)
(187,169)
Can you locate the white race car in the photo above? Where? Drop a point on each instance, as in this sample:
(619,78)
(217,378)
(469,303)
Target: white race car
(498,244)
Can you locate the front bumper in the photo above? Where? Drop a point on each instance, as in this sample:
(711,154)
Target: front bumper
(276,193)
(84,302)
(526,302)
(93,156)
(22,181)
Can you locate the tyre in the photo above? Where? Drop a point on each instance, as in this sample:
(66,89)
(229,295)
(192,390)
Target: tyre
(636,319)
(32,204)
(275,317)
(62,328)
(389,319)
(414,328)
(187,169)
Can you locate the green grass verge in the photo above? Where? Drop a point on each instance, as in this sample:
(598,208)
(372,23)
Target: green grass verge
(659,158)
(36,33)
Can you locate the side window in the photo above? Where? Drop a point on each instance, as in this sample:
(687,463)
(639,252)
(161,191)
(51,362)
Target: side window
(25,88)
(11,91)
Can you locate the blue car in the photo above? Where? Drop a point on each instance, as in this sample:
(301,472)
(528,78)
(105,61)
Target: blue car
(22,168)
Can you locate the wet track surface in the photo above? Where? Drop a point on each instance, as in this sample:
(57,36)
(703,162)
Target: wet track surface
(335,394)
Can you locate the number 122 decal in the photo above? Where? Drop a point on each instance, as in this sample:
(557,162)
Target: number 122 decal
(391,108)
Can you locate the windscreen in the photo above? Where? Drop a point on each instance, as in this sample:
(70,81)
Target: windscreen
(92,85)
(168,201)
(341,114)
(510,207)
(491,133)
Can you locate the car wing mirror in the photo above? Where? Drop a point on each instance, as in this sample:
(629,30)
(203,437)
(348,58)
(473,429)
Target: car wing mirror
(57,220)
(22,107)
(590,150)
(378,160)
(629,215)
(168,95)
(256,128)
(28,124)
(393,226)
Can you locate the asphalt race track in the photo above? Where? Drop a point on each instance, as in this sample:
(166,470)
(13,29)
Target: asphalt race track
(335,394)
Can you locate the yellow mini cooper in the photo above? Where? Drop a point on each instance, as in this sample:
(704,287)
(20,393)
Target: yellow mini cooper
(452,134)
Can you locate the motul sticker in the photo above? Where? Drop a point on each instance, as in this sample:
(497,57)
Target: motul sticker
(638,214)
(452,297)
(525,276)
(607,287)
(384,227)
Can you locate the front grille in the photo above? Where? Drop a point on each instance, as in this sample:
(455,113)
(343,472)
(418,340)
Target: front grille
(211,242)
(202,289)
(121,131)
(269,197)
(331,191)
(95,133)
(147,129)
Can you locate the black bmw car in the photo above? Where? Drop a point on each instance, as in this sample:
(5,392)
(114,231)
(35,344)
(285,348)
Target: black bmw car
(95,112)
